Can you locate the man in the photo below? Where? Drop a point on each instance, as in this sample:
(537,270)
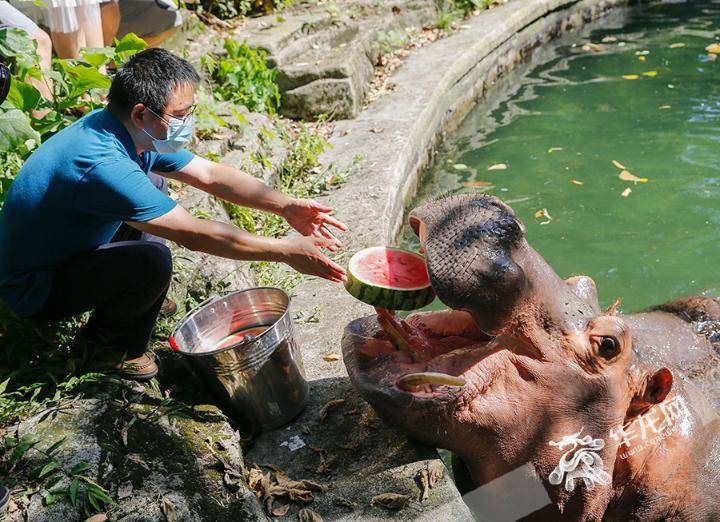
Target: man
(67,204)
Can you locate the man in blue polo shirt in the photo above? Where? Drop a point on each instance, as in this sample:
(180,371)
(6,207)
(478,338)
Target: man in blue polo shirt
(84,223)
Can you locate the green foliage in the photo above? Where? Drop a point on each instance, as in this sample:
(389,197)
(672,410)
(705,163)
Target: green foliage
(450,11)
(226,9)
(26,118)
(39,471)
(243,76)
(385,42)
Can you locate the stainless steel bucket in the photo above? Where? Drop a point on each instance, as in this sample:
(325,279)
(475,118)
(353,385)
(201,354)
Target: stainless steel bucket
(258,377)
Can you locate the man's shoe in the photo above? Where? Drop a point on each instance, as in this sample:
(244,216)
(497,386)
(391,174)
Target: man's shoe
(141,368)
(168,308)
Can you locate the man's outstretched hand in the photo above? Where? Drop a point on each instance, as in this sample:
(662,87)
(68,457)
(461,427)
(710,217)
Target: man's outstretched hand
(304,254)
(313,219)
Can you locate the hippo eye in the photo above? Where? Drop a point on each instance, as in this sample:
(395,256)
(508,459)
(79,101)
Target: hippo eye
(609,347)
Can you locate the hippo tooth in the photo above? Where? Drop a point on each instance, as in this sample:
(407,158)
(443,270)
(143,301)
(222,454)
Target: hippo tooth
(417,379)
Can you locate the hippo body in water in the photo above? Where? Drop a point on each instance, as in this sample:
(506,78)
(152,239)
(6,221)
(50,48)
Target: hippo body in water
(615,414)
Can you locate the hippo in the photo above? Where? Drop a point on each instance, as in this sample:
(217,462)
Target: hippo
(613,414)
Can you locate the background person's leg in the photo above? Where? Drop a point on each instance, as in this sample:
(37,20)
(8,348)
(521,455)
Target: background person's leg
(110,14)
(123,283)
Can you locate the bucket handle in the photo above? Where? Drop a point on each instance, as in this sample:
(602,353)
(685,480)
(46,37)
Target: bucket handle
(213,297)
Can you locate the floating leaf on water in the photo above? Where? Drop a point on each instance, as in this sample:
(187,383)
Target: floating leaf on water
(308,515)
(651,74)
(663,107)
(627,176)
(331,357)
(618,164)
(393,501)
(642,53)
(498,166)
(712,57)
(641,58)
(543,213)
(713,48)
(555,149)
(676,45)
(576,182)
(630,76)
(478,184)
(598,48)
(329,407)
(460,166)
(625,193)
(609,39)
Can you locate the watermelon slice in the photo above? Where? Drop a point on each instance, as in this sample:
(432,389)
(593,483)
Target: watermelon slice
(390,278)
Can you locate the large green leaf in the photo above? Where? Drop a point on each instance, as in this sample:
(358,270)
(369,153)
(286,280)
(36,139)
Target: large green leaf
(23,96)
(129,45)
(15,131)
(14,42)
(98,56)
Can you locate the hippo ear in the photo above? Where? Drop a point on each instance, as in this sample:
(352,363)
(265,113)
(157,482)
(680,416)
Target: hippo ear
(651,391)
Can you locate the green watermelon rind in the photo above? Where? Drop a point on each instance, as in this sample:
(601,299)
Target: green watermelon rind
(383,296)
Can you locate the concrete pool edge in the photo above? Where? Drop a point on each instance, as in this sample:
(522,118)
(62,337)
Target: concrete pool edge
(396,135)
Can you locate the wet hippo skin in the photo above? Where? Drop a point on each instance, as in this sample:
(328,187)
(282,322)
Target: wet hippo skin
(614,415)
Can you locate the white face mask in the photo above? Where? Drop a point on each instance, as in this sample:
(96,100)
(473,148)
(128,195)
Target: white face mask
(179,133)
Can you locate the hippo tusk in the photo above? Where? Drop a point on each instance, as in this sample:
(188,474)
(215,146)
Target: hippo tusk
(417,379)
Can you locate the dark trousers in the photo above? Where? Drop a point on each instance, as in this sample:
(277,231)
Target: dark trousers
(124,284)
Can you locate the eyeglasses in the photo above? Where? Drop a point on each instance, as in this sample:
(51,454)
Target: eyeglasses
(178,118)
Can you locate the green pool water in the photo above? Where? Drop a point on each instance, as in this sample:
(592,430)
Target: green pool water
(560,120)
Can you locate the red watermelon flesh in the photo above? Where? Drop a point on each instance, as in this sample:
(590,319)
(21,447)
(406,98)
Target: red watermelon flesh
(393,269)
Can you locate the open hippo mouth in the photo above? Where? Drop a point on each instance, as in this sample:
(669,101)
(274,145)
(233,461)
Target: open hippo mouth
(478,261)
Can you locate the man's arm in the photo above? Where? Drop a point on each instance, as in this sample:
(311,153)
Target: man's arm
(232,185)
(308,217)
(224,240)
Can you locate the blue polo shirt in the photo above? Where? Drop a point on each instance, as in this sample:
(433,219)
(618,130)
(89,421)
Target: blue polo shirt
(71,196)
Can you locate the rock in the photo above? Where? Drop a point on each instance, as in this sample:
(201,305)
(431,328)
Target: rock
(170,459)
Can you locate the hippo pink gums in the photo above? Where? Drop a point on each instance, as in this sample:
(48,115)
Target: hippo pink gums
(615,413)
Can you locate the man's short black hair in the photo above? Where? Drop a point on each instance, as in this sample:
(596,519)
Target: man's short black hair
(149,77)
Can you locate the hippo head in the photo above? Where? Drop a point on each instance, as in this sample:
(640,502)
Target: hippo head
(540,360)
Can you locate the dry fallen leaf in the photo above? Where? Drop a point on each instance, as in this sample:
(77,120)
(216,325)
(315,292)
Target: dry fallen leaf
(393,501)
(626,192)
(576,182)
(498,166)
(460,166)
(377,130)
(543,213)
(713,48)
(331,357)
(627,176)
(308,515)
(618,164)
(168,509)
(428,477)
(630,76)
(330,406)
(478,184)
(651,74)
(100,517)
(344,132)
(555,149)
(676,45)
(343,502)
